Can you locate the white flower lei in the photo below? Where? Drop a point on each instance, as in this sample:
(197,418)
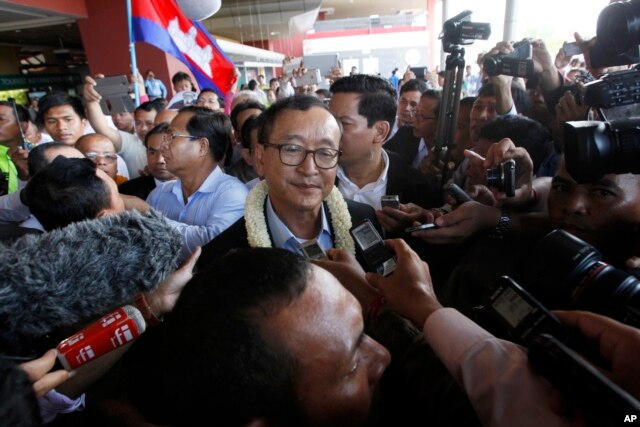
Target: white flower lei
(256,224)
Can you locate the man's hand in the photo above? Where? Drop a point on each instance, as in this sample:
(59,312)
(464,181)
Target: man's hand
(502,83)
(568,110)
(505,150)
(544,66)
(398,219)
(619,344)
(89,92)
(460,224)
(408,291)
(163,299)
(38,372)
(19,158)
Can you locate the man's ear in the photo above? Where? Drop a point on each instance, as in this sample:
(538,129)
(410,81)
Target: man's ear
(259,163)
(204,146)
(382,128)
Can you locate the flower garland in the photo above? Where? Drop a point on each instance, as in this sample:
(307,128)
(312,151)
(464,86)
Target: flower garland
(258,235)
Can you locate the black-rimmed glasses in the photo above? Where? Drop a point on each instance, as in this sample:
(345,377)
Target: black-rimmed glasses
(295,155)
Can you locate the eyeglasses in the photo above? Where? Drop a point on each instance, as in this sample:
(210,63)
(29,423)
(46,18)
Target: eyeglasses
(295,155)
(108,157)
(168,137)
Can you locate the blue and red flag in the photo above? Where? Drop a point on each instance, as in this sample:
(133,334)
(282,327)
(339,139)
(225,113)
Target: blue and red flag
(162,24)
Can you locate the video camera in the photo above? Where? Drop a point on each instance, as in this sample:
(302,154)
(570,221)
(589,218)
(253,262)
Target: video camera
(503,177)
(618,35)
(459,30)
(517,63)
(594,148)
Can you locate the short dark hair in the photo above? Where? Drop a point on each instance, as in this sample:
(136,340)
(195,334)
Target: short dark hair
(524,132)
(180,76)
(66,191)
(37,159)
(325,92)
(414,85)
(224,365)
(213,125)
(243,106)
(159,128)
(249,125)
(150,106)
(296,103)
(377,96)
(23,113)
(519,95)
(467,101)
(252,84)
(57,99)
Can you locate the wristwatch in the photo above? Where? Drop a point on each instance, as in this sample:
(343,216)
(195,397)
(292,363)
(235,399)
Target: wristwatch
(503,228)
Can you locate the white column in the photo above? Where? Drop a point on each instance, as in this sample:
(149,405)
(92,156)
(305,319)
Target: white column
(510,20)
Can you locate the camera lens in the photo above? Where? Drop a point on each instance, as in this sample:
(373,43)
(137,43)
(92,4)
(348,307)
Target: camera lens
(578,279)
(618,26)
(495,177)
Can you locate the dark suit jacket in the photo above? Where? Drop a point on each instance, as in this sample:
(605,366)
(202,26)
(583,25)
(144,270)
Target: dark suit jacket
(139,187)
(235,236)
(411,185)
(404,143)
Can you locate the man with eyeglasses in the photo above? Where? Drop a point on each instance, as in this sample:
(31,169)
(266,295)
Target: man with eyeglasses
(297,154)
(203,201)
(100,150)
(208,98)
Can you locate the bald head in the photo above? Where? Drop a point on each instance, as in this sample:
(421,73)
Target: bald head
(101,151)
(43,154)
(165,116)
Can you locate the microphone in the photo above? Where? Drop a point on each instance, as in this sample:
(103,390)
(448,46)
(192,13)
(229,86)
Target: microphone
(114,330)
(197,10)
(55,280)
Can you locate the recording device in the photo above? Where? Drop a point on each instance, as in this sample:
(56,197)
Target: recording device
(618,35)
(517,63)
(390,200)
(312,250)
(310,77)
(503,177)
(572,275)
(378,257)
(421,227)
(551,351)
(593,148)
(459,30)
(114,91)
(457,193)
(26,144)
(614,89)
(114,330)
(571,49)
(323,62)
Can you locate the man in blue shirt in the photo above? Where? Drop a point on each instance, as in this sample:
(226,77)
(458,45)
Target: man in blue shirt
(203,201)
(155,88)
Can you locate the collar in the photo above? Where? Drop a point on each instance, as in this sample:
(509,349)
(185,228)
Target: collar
(209,185)
(380,182)
(281,234)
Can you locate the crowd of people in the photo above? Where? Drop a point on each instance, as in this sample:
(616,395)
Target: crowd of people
(248,331)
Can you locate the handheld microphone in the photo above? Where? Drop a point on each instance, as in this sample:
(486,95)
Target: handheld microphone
(116,329)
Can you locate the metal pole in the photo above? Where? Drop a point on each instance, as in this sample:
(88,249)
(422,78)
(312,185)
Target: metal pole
(132,52)
(510,20)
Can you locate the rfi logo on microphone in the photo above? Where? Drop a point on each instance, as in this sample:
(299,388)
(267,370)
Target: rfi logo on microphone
(85,354)
(121,336)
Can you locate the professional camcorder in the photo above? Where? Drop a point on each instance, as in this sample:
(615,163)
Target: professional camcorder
(503,177)
(618,35)
(459,30)
(517,63)
(614,89)
(593,148)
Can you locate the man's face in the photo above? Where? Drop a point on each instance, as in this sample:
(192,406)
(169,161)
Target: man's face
(357,138)
(144,122)
(462,134)
(123,121)
(155,161)
(603,213)
(9,131)
(339,366)
(295,189)
(425,121)
(64,124)
(182,153)
(99,149)
(116,204)
(242,117)
(208,100)
(483,111)
(183,85)
(407,106)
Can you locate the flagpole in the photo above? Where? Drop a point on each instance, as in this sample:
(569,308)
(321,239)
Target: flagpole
(132,52)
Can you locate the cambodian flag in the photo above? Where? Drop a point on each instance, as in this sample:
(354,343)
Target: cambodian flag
(162,24)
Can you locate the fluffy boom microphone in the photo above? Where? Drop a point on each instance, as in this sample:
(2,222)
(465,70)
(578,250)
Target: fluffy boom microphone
(79,272)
